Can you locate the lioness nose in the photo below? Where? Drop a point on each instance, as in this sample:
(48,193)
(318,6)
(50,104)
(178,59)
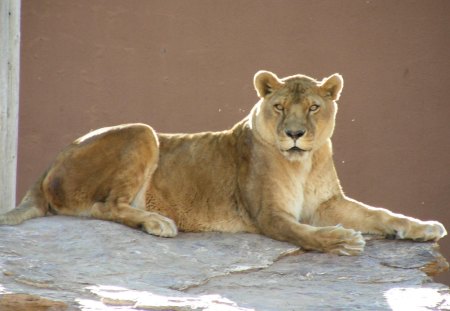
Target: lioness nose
(295,134)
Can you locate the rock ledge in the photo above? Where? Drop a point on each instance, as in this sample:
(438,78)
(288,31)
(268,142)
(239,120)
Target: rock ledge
(63,263)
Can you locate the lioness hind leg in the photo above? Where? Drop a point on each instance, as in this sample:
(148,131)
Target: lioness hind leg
(152,223)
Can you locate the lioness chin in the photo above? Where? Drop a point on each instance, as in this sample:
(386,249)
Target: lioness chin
(272,174)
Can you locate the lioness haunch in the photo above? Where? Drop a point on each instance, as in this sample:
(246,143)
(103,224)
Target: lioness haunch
(272,173)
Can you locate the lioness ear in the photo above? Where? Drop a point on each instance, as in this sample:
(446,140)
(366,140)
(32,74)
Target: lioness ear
(332,86)
(266,82)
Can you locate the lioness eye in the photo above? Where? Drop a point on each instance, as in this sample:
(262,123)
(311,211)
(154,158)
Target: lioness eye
(314,107)
(279,107)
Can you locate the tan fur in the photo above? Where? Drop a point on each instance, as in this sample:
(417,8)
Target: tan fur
(272,174)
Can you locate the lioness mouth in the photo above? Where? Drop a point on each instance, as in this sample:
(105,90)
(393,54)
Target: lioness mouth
(296,149)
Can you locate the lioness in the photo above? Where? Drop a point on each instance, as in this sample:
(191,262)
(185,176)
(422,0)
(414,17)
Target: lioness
(272,173)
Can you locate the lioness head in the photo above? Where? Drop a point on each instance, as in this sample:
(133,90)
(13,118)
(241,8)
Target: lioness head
(296,114)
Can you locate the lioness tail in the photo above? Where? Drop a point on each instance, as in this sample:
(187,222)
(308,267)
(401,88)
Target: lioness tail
(33,205)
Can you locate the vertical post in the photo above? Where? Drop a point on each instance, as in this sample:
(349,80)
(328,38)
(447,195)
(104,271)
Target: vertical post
(9,100)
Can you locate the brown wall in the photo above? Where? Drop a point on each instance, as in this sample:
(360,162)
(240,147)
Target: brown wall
(185,66)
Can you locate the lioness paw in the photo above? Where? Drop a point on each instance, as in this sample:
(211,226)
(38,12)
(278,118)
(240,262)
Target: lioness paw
(341,241)
(160,226)
(426,231)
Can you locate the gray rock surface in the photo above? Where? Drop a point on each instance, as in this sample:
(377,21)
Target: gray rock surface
(96,265)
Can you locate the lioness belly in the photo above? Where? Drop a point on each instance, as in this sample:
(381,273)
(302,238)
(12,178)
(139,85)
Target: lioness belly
(200,216)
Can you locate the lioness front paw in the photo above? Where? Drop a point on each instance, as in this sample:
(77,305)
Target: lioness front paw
(160,226)
(341,241)
(424,231)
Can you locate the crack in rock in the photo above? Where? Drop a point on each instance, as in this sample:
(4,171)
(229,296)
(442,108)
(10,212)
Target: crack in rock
(239,270)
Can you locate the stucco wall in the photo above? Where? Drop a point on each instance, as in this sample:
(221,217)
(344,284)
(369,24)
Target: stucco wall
(185,66)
